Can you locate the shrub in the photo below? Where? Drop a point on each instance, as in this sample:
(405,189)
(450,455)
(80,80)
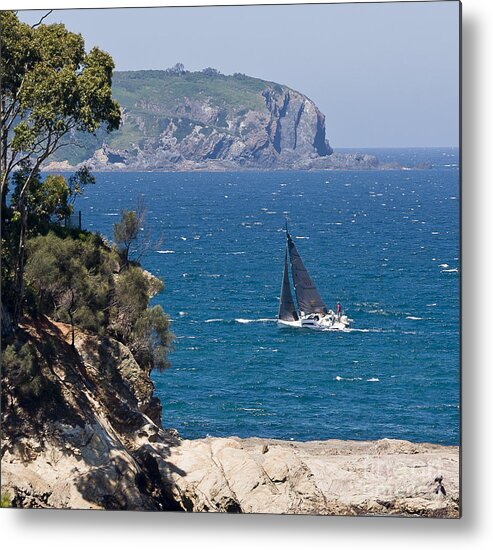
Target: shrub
(125,233)
(71,278)
(151,339)
(5,500)
(22,366)
(130,300)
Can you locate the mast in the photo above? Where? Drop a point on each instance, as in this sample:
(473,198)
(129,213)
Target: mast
(309,300)
(287,309)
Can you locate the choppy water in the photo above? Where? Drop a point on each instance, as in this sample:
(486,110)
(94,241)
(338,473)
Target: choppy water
(384,244)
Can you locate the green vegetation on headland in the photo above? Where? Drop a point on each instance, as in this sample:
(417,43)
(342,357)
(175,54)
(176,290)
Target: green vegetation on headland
(165,89)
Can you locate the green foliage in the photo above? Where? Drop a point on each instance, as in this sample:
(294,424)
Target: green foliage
(131,298)
(71,279)
(53,91)
(22,367)
(50,88)
(52,85)
(40,203)
(5,500)
(51,198)
(145,329)
(44,200)
(168,90)
(126,233)
(78,181)
(151,339)
(66,88)
(75,280)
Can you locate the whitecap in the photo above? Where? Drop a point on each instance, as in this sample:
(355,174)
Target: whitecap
(453,270)
(412,318)
(165,251)
(443,265)
(373,380)
(213,320)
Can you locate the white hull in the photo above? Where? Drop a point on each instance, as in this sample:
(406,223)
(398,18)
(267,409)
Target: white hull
(322,323)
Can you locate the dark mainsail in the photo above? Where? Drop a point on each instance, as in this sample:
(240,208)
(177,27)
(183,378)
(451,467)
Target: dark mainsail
(309,300)
(287,309)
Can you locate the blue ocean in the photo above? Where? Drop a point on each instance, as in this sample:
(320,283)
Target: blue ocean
(385,244)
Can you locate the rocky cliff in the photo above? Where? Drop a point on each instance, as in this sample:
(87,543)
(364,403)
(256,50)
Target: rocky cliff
(203,119)
(84,431)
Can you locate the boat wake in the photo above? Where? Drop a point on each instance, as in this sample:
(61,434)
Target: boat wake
(240,320)
(263,320)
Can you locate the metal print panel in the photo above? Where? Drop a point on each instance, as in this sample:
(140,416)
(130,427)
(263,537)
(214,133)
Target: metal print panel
(231,265)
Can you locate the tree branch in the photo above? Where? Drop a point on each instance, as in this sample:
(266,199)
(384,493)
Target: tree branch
(41,20)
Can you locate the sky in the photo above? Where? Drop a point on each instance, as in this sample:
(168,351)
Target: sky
(384,75)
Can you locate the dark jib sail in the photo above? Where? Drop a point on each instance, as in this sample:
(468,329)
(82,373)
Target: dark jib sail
(309,300)
(287,309)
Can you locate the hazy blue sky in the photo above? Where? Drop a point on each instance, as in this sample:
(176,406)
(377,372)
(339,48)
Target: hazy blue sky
(384,75)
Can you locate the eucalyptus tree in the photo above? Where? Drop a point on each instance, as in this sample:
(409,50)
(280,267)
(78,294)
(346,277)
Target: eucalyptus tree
(51,88)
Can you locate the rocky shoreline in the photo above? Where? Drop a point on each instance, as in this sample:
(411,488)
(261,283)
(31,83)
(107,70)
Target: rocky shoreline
(99,444)
(384,477)
(334,162)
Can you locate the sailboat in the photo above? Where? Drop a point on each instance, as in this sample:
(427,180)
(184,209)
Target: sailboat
(311,311)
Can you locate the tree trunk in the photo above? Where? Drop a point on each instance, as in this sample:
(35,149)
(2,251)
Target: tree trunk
(5,190)
(3,155)
(21,260)
(71,312)
(21,252)
(72,325)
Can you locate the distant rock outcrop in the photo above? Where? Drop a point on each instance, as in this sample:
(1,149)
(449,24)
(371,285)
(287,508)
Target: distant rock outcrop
(192,120)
